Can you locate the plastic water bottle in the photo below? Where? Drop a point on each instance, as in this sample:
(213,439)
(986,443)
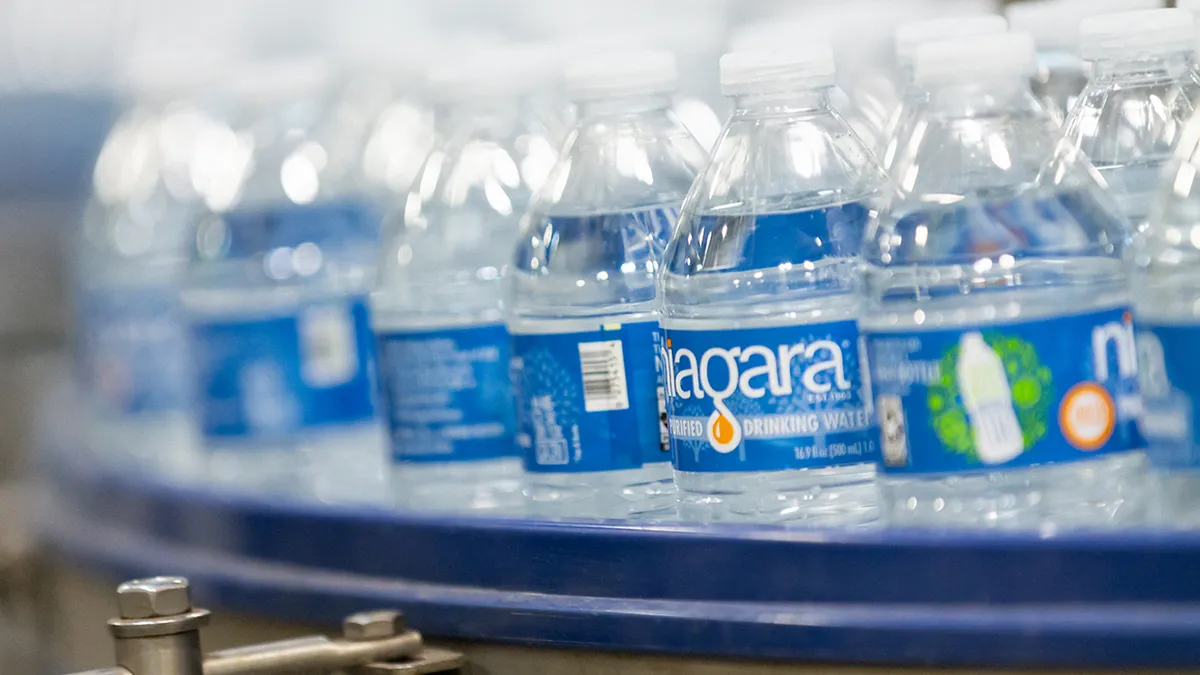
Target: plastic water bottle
(276,296)
(1061,74)
(583,313)
(768,416)
(1129,117)
(439,305)
(130,258)
(996,312)
(910,36)
(1167,305)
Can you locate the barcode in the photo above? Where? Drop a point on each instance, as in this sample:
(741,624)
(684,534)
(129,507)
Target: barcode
(664,431)
(602,365)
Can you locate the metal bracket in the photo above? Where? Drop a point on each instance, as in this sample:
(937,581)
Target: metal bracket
(158,633)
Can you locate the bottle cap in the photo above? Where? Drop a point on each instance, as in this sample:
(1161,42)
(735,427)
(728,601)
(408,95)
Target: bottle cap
(968,59)
(626,73)
(178,72)
(1054,24)
(1137,35)
(764,71)
(281,79)
(509,69)
(913,34)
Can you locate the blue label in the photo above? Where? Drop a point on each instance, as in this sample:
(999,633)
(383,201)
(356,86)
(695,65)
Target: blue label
(329,227)
(590,401)
(448,393)
(136,350)
(766,399)
(1170,380)
(267,377)
(1011,395)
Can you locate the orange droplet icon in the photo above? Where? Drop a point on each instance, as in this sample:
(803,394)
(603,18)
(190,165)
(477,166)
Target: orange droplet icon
(724,433)
(722,429)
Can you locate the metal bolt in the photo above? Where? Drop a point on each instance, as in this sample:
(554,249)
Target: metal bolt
(154,597)
(376,625)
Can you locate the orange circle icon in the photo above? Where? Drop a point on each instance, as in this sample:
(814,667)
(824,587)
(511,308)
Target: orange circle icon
(1087,416)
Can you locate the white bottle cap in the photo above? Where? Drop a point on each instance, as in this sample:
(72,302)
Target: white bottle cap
(913,34)
(1054,24)
(504,70)
(1137,35)
(763,71)
(626,73)
(969,59)
(177,72)
(281,79)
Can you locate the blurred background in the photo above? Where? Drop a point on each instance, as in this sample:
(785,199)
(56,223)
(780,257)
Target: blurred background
(68,68)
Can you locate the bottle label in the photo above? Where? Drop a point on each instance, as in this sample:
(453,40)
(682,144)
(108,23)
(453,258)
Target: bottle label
(1170,380)
(448,393)
(270,377)
(1010,395)
(767,399)
(590,401)
(135,350)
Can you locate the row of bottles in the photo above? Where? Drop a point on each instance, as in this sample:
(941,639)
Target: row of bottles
(612,322)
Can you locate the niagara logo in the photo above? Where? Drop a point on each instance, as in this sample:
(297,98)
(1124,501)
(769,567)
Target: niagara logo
(1120,338)
(752,371)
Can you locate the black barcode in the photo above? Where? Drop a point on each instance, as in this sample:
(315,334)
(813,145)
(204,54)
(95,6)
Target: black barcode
(602,365)
(664,434)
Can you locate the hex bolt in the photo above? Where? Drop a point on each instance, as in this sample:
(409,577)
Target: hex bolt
(154,597)
(376,625)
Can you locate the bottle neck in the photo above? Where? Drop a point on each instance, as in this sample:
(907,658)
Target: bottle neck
(482,110)
(1168,66)
(623,105)
(980,96)
(776,103)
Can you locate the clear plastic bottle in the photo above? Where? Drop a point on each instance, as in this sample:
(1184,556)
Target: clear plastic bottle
(1129,117)
(1061,74)
(276,297)
(909,36)
(767,413)
(1166,291)
(438,307)
(130,259)
(583,311)
(1054,24)
(994,288)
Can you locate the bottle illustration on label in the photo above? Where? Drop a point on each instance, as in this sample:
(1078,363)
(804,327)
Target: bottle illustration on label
(269,406)
(987,396)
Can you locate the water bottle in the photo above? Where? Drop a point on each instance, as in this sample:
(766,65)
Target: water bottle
(439,305)
(769,419)
(996,312)
(1061,74)
(583,314)
(276,301)
(129,260)
(1167,306)
(910,36)
(1129,117)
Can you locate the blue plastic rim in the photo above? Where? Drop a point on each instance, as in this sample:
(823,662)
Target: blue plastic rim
(1106,599)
